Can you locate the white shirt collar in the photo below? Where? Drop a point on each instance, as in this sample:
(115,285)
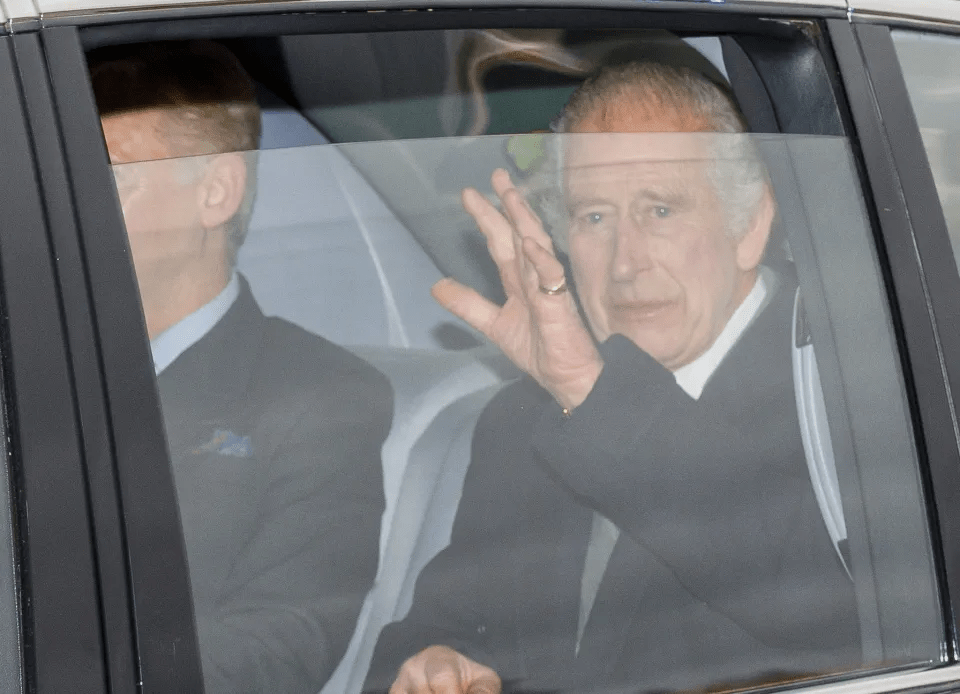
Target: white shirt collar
(176,339)
(694,376)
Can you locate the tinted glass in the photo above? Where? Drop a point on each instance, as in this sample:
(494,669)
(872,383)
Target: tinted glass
(705,477)
(935,95)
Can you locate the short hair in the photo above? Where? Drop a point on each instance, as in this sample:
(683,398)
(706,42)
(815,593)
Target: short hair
(210,97)
(738,174)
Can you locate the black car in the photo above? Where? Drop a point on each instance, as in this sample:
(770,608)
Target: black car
(376,115)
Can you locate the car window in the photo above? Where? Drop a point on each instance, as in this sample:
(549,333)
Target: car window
(934,97)
(651,432)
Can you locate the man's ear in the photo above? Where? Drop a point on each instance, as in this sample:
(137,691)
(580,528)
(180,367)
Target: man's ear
(750,248)
(222,189)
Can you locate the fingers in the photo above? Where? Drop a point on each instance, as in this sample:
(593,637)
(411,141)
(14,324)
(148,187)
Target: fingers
(491,686)
(412,677)
(500,235)
(524,219)
(443,675)
(496,228)
(505,231)
(538,266)
(546,270)
(466,304)
(539,327)
(442,670)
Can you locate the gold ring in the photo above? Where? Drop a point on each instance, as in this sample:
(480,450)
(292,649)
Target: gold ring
(560,288)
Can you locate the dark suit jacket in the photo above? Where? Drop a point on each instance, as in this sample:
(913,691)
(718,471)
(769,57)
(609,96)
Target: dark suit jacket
(724,573)
(275,439)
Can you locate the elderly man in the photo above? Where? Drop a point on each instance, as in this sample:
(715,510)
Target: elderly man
(638,514)
(274,433)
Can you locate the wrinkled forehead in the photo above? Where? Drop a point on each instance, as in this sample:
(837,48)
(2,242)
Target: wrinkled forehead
(588,153)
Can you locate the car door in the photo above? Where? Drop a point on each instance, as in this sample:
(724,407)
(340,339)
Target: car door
(877,281)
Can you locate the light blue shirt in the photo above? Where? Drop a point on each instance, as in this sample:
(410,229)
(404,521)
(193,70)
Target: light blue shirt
(176,339)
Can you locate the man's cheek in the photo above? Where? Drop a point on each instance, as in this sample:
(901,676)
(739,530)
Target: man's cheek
(598,318)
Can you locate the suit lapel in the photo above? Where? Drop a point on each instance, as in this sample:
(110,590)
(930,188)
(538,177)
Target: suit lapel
(759,350)
(637,595)
(215,370)
(618,604)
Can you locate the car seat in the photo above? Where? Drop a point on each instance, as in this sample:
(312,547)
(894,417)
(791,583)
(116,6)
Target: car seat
(325,252)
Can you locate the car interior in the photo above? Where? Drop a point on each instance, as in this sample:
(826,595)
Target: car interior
(390,253)
(366,146)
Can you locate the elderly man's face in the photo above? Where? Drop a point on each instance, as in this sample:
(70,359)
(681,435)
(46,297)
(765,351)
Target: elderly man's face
(651,253)
(160,199)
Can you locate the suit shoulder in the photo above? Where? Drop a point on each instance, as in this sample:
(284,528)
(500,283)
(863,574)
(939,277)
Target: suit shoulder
(291,338)
(301,359)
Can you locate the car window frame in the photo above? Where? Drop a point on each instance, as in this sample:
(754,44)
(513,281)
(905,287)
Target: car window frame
(115,606)
(60,621)
(912,225)
(133,458)
(916,332)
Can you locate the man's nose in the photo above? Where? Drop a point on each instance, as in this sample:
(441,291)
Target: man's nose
(631,253)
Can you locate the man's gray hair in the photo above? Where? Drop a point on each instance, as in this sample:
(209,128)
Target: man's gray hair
(653,89)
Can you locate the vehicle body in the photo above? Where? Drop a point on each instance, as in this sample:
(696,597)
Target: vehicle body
(95,592)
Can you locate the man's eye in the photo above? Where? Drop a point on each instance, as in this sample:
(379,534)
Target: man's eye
(662,212)
(593,218)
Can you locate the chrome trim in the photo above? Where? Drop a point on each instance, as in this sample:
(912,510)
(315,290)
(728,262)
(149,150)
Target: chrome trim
(923,10)
(928,680)
(838,4)
(23,25)
(910,23)
(58,10)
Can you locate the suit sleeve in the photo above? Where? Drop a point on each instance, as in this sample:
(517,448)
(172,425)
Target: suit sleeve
(289,604)
(720,494)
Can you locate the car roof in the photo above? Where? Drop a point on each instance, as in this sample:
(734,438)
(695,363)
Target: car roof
(16,11)
(12,11)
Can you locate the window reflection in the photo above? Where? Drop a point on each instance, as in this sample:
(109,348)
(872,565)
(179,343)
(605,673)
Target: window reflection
(632,440)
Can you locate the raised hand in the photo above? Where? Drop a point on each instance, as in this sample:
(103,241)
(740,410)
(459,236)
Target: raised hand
(538,327)
(442,670)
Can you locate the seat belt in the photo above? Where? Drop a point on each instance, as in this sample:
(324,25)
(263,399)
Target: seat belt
(815,432)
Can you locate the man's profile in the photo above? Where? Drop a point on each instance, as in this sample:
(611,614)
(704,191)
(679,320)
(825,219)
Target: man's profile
(274,433)
(638,513)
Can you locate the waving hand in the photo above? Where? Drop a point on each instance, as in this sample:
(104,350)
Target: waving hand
(538,327)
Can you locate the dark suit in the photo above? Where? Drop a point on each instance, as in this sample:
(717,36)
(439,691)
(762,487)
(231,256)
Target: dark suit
(275,439)
(723,573)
